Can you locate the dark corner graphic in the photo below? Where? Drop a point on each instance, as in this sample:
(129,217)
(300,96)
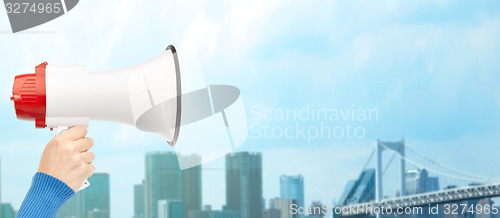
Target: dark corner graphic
(26,14)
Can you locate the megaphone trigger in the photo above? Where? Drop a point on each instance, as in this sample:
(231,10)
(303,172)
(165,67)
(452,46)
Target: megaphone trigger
(61,129)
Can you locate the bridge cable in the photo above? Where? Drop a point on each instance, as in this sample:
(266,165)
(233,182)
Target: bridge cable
(429,169)
(369,159)
(388,164)
(449,168)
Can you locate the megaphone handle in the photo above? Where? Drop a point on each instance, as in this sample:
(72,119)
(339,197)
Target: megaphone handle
(59,130)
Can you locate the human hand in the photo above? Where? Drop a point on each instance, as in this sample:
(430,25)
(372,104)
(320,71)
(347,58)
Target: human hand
(66,157)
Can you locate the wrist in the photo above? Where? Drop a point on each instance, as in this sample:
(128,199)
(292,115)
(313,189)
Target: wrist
(52,187)
(45,196)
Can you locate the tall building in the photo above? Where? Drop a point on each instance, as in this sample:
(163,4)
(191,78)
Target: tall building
(97,213)
(363,189)
(244,183)
(94,199)
(283,205)
(7,211)
(347,188)
(139,200)
(317,210)
(170,209)
(271,213)
(191,186)
(163,180)
(1,185)
(292,187)
(433,184)
(73,208)
(96,196)
(416,181)
(207,212)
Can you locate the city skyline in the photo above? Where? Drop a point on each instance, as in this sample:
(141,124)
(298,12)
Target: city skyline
(240,166)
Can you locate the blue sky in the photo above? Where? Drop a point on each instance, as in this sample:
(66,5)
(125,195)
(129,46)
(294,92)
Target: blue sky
(430,69)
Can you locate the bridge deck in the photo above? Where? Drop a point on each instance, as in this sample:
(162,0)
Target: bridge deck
(437,197)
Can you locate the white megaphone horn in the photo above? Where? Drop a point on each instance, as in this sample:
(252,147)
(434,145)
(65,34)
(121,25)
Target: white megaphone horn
(64,96)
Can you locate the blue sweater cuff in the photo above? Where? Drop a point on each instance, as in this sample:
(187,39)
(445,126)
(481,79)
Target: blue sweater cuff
(46,195)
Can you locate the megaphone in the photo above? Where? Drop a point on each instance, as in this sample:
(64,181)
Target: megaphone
(146,95)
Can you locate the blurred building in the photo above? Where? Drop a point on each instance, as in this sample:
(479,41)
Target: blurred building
(433,184)
(139,204)
(73,208)
(317,210)
(207,212)
(418,181)
(7,211)
(96,196)
(191,186)
(170,209)
(292,187)
(283,205)
(1,206)
(163,180)
(1,186)
(244,183)
(97,213)
(347,189)
(271,213)
(360,190)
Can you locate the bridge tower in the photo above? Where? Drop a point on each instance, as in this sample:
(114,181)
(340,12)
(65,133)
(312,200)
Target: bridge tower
(397,147)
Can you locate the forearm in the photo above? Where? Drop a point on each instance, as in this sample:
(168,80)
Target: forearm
(45,196)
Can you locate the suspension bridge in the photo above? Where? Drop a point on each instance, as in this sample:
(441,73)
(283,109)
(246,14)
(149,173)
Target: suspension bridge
(421,181)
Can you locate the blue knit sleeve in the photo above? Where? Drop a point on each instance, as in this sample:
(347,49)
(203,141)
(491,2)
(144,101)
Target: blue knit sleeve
(46,195)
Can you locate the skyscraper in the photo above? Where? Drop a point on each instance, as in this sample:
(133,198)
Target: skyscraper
(433,184)
(207,212)
(139,200)
(7,211)
(347,189)
(170,209)
(244,183)
(271,213)
(96,196)
(73,208)
(97,213)
(0,185)
(191,186)
(163,180)
(317,210)
(361,190)
(292,187)
(283,205)
(416,181)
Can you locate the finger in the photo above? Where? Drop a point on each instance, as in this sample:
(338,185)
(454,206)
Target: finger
(88,157)
(74,133)
(90,170)
(84,144)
